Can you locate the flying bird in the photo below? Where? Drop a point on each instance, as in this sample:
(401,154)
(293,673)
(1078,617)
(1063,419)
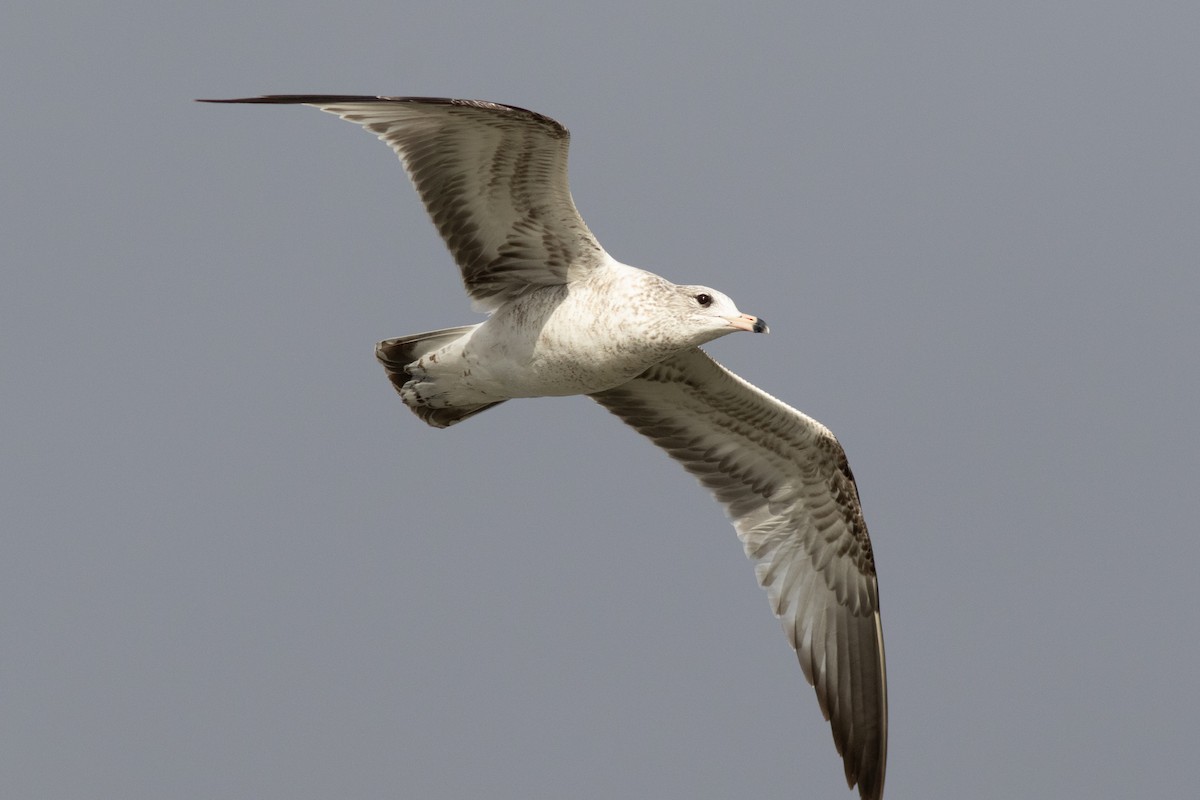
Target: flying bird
(566,318)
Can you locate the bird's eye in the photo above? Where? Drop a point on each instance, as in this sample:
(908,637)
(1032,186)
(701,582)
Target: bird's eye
(704,299)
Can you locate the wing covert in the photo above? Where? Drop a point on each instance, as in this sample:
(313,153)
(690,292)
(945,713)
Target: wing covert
(788,489)
(492,177)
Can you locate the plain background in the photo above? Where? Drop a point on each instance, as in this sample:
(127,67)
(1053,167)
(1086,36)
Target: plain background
(233,565)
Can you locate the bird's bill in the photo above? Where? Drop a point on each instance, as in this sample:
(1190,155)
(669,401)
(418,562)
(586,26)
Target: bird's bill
(745,322)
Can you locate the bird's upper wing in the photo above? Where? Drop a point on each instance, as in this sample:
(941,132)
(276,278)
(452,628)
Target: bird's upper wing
(784,481)
(494,179)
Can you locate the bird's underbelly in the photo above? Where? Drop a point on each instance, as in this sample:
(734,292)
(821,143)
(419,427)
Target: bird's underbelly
(487,369)
(552,371)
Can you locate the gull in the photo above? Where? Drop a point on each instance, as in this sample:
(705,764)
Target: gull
(565,318)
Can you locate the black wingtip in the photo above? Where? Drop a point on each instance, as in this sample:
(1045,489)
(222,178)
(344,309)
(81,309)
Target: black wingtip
(284,99)
(338,99)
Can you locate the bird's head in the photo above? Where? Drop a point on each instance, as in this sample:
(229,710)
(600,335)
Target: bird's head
(709,314)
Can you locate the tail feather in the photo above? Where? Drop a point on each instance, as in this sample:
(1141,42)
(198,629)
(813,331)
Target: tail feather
(397,354)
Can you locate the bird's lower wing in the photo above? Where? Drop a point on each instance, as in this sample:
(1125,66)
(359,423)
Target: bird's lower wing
(785,483)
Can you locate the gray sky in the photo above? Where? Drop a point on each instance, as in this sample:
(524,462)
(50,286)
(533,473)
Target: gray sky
(235,566)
